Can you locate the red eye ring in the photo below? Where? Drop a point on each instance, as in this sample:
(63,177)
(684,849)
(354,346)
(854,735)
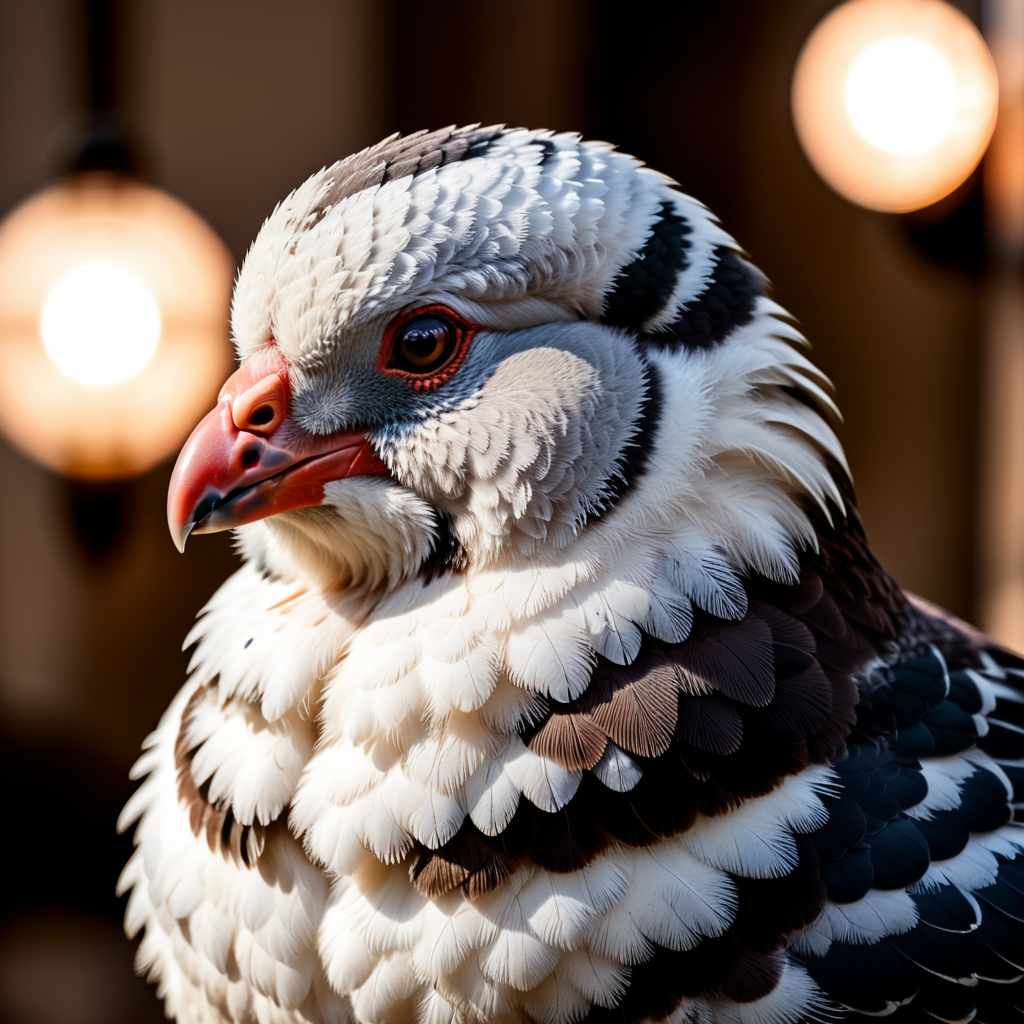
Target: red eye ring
(436,376)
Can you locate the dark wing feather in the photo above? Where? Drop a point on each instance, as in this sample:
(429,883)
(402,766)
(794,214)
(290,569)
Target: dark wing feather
(965,956)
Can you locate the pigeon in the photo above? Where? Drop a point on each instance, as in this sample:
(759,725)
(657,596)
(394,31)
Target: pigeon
(559,682)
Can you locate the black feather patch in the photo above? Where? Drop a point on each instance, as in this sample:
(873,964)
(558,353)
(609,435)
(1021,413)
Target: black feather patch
(964,960)
(964,691)
(906,782)
(719,968)
(727,303)
(865,977)
(1003,897)
(1003,740)
(547,151)
(769,910)
(710,724)
(947,909)
(642,287)
(868,842)
(851,876)
(945,839)
(899,854)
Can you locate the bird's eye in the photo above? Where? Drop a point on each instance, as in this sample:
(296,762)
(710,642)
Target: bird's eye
(425,346)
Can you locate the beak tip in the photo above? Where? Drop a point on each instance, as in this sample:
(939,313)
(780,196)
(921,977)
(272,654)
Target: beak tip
(179,534)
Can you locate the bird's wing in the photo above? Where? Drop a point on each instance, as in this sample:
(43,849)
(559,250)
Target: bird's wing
(921,853)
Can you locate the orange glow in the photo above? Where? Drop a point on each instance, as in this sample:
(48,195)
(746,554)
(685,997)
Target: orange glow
(895,101)
(113,325)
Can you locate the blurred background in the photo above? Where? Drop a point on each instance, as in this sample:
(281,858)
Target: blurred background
(235,102)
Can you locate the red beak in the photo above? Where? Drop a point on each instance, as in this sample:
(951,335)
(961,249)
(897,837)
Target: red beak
(247,460)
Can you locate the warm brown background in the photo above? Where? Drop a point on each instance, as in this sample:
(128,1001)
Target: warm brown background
(237,101)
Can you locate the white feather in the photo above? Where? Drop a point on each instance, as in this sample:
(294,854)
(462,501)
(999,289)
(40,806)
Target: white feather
(545,784)
(794,999)
(598,979)
(757,840)
(973,868)
(943,775)
(555,1001)
(551,656)
(563,906)
(709,581)
(464,684)
(674,900)
(869,919)
(491,793)
(617,770)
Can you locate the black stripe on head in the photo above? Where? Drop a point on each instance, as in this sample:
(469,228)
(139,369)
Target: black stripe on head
(727,303)
(644,286)
(638,447)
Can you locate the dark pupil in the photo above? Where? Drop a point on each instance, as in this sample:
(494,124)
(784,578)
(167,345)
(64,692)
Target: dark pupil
(425,341)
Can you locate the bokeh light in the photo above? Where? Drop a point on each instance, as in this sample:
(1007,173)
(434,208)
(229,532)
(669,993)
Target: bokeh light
(113,325)
(101,325)
(895,101)
(901,95)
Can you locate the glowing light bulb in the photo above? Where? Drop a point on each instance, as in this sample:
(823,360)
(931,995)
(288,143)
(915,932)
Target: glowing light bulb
(894,101)
(901,95)
(113,325)
(100,325)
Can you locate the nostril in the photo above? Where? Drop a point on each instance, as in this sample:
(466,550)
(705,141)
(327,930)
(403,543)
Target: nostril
(250,456)
(261,415)
(262,408)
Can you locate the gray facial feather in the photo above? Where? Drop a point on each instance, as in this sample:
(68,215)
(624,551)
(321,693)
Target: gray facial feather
(533,449)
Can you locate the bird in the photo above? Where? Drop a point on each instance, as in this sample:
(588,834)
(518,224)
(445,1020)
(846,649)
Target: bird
(559,682)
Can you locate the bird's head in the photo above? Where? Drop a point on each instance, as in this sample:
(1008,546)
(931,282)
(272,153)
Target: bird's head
(471,345)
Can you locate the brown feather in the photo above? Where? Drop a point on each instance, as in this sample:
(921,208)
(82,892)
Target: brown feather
(468,860)
(802,595)
(495,871)
(786,629)
(436,876)
(572,741)
(826,617)
(802,702)
(637,705)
